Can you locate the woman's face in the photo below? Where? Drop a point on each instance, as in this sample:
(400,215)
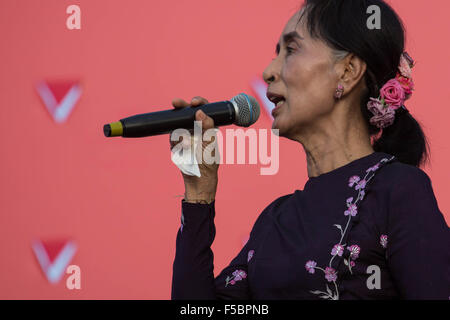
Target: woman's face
(303,76)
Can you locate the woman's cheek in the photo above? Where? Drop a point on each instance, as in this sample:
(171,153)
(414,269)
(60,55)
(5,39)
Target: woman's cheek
(291,75)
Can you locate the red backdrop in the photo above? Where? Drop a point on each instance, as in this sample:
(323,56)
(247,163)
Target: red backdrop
(117,198)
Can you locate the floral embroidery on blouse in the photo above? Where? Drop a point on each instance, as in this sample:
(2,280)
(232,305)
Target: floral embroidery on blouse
(250,255)
(310,266)
(354,254)
(338,249)
(354,251)
(374,168)
(237,275)
(182,221)
(384,240)
(331,275)
(352,209)
(353,180)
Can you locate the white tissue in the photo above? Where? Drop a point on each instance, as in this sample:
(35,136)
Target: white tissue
(185,159)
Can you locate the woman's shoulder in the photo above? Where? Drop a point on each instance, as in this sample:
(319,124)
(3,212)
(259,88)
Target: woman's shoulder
(409,191)
(279,202)
(406,194)
(403,186)
(278,205)
(399,173)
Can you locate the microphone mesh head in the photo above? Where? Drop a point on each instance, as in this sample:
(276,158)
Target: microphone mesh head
(248,110)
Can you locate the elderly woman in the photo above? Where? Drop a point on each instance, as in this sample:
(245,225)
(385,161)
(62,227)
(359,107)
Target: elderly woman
(367,224)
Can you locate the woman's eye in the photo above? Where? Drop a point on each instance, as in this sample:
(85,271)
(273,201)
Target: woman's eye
(289,50)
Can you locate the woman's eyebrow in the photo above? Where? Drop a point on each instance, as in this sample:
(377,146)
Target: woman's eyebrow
(287,38)
(291,35)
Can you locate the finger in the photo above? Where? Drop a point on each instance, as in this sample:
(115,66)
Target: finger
(198,101)
(186,143)
(179,103)
(207,122)
(173,142)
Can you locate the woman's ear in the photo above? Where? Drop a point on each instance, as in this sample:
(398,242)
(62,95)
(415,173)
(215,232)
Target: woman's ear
(352,70)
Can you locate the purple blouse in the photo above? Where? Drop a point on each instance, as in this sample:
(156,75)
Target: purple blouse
(370,229)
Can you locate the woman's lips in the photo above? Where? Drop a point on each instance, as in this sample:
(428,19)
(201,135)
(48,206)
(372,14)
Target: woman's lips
(277,107)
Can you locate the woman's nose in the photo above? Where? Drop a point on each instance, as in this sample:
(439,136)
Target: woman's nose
(269,74)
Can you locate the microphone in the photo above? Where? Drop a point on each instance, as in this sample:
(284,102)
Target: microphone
(242,110)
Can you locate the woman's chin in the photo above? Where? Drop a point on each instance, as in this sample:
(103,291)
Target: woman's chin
(277,125)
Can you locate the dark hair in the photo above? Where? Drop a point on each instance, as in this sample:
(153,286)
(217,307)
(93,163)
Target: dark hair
(342,24)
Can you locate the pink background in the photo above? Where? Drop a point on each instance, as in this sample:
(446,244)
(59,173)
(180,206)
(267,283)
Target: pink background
(118,198)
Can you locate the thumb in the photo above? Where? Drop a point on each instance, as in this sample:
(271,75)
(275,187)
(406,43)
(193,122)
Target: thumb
(207,122)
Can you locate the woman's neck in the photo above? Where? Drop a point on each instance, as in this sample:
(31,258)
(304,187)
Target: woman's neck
(334,147)
(320,161)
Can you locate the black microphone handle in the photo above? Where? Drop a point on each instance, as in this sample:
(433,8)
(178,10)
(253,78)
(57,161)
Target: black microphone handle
(161,122)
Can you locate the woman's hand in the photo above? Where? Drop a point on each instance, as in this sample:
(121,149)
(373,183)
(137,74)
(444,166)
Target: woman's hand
(199,189)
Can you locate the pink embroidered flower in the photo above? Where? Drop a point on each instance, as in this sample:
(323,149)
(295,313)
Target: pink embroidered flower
(393,93)
(349,200)
(310,266)
(250,255)
(352,210)
(361,184)
(361,194)
(182,221)
(239,275)
(353,180)
(384,240)
(337,250)
(352,264)
(374,168)
(330,274)
(354,251)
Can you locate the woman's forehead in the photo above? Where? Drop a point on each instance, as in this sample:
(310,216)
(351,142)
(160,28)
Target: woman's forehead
(292,25)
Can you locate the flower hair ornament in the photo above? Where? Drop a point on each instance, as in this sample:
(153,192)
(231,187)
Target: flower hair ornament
(393,95)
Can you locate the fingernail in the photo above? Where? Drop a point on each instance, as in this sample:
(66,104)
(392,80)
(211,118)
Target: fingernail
(201,115)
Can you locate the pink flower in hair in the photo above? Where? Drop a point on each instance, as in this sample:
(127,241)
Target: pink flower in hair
(384,120)
(405,67)
(407,85)
(383,115)
(393,94)
(376,107)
